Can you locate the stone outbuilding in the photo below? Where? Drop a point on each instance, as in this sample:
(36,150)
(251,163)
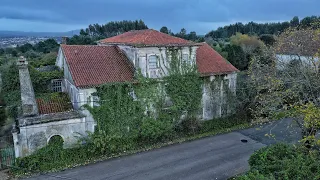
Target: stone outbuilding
(41,120)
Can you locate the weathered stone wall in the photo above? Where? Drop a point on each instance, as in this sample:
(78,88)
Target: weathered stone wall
(144,54)
(33,137)
(214,97)
(140,57)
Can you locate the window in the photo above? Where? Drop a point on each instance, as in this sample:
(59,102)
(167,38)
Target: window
(57,85)
(96,101)
(185,58)
(133,95)
(153,63)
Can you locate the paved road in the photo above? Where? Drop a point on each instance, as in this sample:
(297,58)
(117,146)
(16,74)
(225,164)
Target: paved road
(218,157)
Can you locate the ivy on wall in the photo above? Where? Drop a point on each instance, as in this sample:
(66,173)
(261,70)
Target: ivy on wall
(137,115)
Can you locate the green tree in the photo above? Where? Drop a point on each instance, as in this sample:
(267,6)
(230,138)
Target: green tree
(24,48)
(46,46)
(14,53)
(237,57)
(268,39)
(295,22)
(182,33)
(258,29)
(192,36)
(165,30)
(83,32)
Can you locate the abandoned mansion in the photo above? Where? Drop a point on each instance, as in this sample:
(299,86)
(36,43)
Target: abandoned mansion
(115,59)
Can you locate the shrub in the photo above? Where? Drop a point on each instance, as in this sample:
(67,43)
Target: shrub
(100,143)
(255,175)
(189,126)
(51,157)
(153,131)
(283,161)
(221,123)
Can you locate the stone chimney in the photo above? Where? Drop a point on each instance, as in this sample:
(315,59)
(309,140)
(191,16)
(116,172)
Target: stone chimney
(28,100)
(64,40)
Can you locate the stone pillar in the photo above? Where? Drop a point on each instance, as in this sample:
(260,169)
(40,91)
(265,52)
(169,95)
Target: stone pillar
(64,40)
(28,100)
(16,143)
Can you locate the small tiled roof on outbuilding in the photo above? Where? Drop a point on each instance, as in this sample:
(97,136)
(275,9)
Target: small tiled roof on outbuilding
(93,65)
(147,37)
(54,103)
(210,62)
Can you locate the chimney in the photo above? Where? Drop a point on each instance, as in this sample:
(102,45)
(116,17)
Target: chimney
(28,100)
(64,40)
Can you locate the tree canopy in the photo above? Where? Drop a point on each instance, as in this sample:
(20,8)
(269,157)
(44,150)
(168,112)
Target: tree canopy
(261,28)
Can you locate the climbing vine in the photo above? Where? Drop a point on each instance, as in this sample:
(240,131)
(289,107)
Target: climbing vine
(140,115)
(126,107)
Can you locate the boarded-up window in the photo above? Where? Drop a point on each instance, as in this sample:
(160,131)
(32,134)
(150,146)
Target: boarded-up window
(185,58)
(153,64)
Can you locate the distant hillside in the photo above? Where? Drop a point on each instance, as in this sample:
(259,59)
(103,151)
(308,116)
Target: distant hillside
(264,28)
(37,34)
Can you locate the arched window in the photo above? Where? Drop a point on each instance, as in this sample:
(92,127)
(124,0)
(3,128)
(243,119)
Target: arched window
(56,141)
(153,63)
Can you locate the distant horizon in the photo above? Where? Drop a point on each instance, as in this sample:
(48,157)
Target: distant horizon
(200,16)
(188,30)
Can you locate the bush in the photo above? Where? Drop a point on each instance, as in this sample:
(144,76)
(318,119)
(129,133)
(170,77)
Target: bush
(221,123)
(153,131)
(283,161)
(189,126)
(54,157)
(51,157)
(100,143)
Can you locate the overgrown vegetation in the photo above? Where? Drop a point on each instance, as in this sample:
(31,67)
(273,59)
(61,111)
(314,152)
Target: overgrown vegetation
(135,116)
(288,87)
(283,161)
(100,146)
(38,55)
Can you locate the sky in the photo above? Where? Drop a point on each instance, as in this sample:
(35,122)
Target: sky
(201,16)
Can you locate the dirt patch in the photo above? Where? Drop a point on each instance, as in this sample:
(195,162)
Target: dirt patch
(5,175)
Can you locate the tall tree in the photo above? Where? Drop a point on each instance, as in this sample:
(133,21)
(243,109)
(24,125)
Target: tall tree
(165,30)
(253,28)
(295,22)
(182,33)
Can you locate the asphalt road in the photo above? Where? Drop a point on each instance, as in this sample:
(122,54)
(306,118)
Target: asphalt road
(218,157)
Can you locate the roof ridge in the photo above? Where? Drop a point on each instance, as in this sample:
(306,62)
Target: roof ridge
(147,36)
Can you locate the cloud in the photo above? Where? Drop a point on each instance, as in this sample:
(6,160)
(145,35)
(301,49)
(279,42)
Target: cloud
(199,15)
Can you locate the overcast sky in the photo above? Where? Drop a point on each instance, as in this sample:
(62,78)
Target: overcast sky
(194,15)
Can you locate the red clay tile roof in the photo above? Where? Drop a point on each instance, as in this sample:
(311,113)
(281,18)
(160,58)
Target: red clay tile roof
(57,104)
(147,37)
(96,65)
(210,62)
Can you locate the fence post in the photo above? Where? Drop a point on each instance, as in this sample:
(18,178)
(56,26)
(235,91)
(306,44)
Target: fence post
(0,160)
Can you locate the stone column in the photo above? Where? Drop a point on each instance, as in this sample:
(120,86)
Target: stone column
(16,143)
(28,100)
